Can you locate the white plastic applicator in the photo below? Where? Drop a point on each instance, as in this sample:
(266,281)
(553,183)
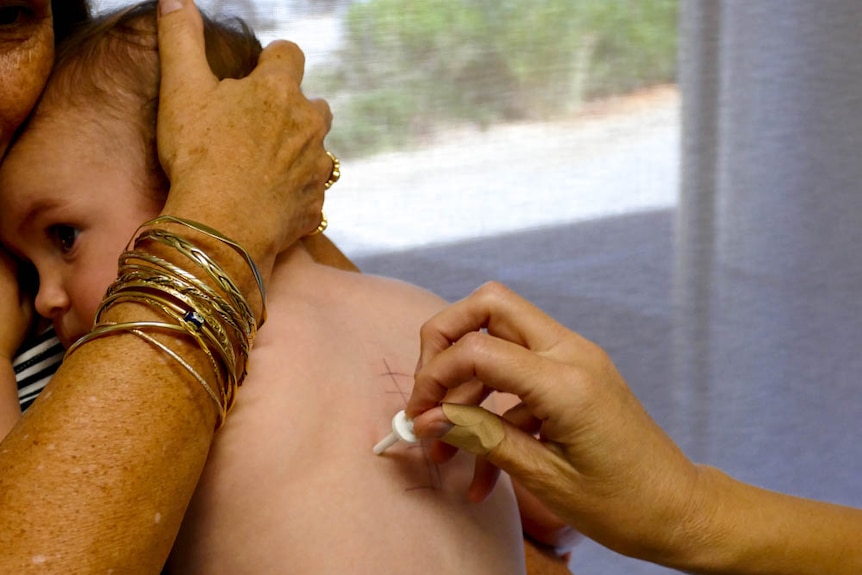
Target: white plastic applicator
(402,430)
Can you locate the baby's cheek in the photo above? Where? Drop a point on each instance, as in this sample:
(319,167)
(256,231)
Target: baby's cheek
(92,293)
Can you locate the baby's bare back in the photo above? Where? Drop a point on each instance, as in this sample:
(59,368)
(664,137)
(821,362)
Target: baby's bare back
(292,486)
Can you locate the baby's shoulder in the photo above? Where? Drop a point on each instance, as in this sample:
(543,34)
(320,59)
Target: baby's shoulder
(391,298)
(389,287)
(307,293)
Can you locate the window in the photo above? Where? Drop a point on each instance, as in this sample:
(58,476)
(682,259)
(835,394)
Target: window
(461,119)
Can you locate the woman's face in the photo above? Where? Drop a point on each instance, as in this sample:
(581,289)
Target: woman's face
(26,55)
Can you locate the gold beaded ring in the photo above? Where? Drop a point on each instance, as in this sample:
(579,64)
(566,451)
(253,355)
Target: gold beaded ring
(322,225)
(335,174)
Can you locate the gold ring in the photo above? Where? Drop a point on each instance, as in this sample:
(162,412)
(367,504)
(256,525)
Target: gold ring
(321,226)
(334,174)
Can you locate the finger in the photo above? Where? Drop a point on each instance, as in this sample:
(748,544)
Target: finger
(496,308)
(279,57)
(503,445)
(485,476)
(521,417)
(440,452)
(452,424)
(472,392)
(182,52)
(322,107)
(497,363)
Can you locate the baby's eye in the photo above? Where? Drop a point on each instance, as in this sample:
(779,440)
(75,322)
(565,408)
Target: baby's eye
(64,236)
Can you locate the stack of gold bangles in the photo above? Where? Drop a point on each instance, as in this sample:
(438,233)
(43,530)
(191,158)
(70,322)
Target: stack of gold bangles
(219,319)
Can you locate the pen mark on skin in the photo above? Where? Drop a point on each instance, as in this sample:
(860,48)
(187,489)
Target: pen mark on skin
(434,482)
(393,378)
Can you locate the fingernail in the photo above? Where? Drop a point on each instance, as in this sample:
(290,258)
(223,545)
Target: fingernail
(168,6)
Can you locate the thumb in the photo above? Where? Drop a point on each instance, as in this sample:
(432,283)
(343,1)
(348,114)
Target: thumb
(485,434)
(538,467)
(182,50)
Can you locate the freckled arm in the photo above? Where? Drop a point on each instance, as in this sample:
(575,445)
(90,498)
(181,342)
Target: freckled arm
(97,474)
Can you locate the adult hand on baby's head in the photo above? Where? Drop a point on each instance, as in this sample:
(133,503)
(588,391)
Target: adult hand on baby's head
(16,311)
(244,156)
(599,462)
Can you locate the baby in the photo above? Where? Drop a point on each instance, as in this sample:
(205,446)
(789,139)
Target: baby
(291,484)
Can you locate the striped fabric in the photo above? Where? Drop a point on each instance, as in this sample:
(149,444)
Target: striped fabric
(35,366)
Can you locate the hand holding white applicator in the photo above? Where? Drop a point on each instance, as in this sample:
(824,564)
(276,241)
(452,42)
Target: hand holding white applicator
(402,429)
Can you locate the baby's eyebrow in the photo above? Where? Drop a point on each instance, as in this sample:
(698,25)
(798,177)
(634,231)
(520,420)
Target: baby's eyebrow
(36,209)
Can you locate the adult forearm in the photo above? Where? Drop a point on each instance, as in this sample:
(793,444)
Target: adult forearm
(748,530)
(97,475)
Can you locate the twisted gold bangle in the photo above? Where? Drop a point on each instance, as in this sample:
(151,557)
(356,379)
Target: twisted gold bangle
(163,275)
(191,300)
(208,231)
(200,332)
(224,282)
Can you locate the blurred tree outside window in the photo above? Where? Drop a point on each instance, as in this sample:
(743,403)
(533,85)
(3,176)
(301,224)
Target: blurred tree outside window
(406,68)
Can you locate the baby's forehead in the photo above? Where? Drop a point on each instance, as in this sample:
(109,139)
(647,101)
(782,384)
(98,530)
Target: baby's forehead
(41,138)
(61,149)
(84,128)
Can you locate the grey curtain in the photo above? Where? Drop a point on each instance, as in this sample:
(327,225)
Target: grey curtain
(768,272)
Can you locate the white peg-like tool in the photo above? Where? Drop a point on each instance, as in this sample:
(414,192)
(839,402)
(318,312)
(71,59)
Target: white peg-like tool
(402,430)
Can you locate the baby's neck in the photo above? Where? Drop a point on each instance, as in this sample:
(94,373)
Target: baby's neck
(294,257)
(293,267)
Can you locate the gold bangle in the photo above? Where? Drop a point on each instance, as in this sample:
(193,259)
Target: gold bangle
(208,231)
(189,327)
(192,301)
(219,319)
(224,282)
(223,407)
(163,273)
(161,280)
(193,310)
(203,329)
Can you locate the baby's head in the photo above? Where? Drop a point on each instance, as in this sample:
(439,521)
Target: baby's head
(84,172)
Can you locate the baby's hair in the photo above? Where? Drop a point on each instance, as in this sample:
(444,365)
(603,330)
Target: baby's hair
(110,65)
